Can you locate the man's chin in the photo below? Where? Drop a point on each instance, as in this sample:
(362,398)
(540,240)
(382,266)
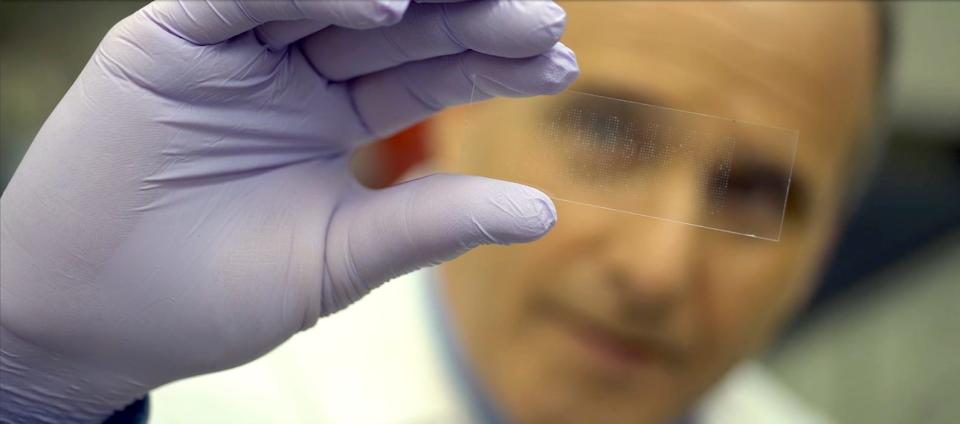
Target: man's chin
(575,383)
(572,407)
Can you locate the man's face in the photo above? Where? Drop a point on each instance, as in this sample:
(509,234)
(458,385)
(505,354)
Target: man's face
(618,318)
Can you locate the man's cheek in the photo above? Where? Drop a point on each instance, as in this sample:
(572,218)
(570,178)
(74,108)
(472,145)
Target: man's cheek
(739,300)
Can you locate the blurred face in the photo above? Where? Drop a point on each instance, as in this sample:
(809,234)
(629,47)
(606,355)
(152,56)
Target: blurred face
(618,318)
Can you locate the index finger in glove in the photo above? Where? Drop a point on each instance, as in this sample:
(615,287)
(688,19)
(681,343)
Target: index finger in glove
(390,100)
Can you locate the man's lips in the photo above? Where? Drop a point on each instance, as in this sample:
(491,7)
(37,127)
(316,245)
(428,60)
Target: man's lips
(617,347)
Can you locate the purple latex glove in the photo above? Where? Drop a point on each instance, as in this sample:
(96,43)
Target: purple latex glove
(188,206)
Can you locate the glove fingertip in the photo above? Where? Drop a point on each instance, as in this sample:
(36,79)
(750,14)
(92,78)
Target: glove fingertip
(564,71)
(546,74)
(524,216)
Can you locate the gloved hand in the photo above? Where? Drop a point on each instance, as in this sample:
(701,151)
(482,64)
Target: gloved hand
(188,205)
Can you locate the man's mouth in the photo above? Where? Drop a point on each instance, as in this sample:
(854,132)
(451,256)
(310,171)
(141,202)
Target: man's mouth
(611,346)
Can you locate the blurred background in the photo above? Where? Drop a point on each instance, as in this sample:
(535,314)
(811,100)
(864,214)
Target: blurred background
(879,343)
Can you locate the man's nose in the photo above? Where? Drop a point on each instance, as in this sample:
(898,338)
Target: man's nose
(654,260)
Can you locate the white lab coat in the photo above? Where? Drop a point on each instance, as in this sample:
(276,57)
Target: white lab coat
(381,361)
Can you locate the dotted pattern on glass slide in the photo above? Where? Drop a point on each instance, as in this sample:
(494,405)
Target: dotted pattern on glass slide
(619,153)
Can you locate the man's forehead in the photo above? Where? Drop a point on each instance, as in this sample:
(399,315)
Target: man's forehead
(799,25)
(803,65)
(788,43)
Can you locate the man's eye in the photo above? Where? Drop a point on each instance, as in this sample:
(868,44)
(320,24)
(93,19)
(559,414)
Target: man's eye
(755,190)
